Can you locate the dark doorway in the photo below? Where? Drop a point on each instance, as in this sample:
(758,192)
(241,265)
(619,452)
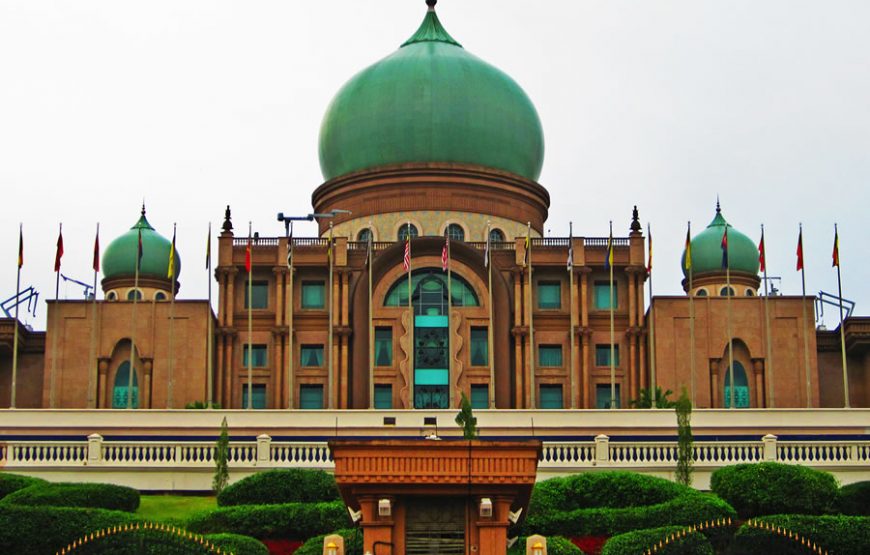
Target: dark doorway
(435,526)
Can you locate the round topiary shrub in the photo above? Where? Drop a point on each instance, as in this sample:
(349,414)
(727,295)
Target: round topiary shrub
(97,496)
(854,499)
(609,503)
(843,535)
(556,545)
(296,521)
(640,541)
(14,482)
(353,543)
(772,488)
(294,485)
(238,544)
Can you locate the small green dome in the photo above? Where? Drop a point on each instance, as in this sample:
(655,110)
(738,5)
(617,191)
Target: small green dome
(707,250)
(119,258)
(431,101)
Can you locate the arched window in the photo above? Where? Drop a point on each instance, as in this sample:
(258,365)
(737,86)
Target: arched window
(364,235)
(496,235)
(134,293)
(403,232)
(726,292)
(455,232)
(429,286)
(112,296)
(701,293)
(160,296)
(750,293)
(741,388)
(122,382)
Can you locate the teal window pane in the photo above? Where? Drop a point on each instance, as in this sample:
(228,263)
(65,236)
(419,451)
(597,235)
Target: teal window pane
(403,232)
(549,355)
(602,355)
(383,396)
(741,388)
(479,347)
(602,295)
(602,396)
(496,235)
(258,358)
(383,346)
(259,294)
(364,235)
(258,396)
(137,294)
(311,356)
(426,284)
(313,294)
(549,294)
(479,396)
(455,232)
(122,382)
(551,396)
(311,396)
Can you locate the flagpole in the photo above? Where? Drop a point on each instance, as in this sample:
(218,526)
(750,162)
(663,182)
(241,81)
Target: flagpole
(572,382)
(410,323)
(209,333)
(249,402)
(169,396)
(768,346)
(804,318)
(330,378)
(728,304)
(133,317)
(691,313)
(533,388)
(55,328)
(290,306)
(610,258)
(842,330)
(371,321)
(450,344)
(92,355)
(652,333)
(15,332)
(489,350)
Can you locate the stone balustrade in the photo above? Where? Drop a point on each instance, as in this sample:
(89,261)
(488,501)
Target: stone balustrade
(188,465)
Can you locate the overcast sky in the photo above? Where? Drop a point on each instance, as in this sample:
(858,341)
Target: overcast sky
(194,105)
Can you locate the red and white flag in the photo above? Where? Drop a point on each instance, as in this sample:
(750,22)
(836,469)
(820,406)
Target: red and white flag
(445,254)
(406,260)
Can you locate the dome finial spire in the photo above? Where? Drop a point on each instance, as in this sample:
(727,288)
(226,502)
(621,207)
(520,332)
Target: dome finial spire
(431,4)
(718,208)
(143,207)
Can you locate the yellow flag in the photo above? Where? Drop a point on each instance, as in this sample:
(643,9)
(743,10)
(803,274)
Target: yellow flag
(170,273)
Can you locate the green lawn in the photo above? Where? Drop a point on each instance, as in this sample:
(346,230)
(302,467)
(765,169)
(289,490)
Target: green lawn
(173,509)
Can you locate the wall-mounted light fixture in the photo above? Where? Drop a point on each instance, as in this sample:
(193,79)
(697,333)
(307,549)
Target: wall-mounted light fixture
(385,507)
(486,508)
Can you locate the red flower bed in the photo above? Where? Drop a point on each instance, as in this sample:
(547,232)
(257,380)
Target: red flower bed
(282,547)
(591,545)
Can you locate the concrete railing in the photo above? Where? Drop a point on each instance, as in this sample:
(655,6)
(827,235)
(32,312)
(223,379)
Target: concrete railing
(168,465)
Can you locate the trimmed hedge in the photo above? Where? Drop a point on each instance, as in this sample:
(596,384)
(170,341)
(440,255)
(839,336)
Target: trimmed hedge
(566,507)
(290,520)
(854,499)
(639,541)
(13,482)
(774,488)
(97,496)
(353,543)
(25,529)
(273,487)
(556,545)
(238,544)
(843,535)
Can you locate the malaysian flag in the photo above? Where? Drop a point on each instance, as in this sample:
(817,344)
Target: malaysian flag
(406,260)
(445,256)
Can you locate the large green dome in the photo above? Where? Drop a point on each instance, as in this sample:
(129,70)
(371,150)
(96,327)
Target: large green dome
(119,258)
(431,101)
(707,250)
